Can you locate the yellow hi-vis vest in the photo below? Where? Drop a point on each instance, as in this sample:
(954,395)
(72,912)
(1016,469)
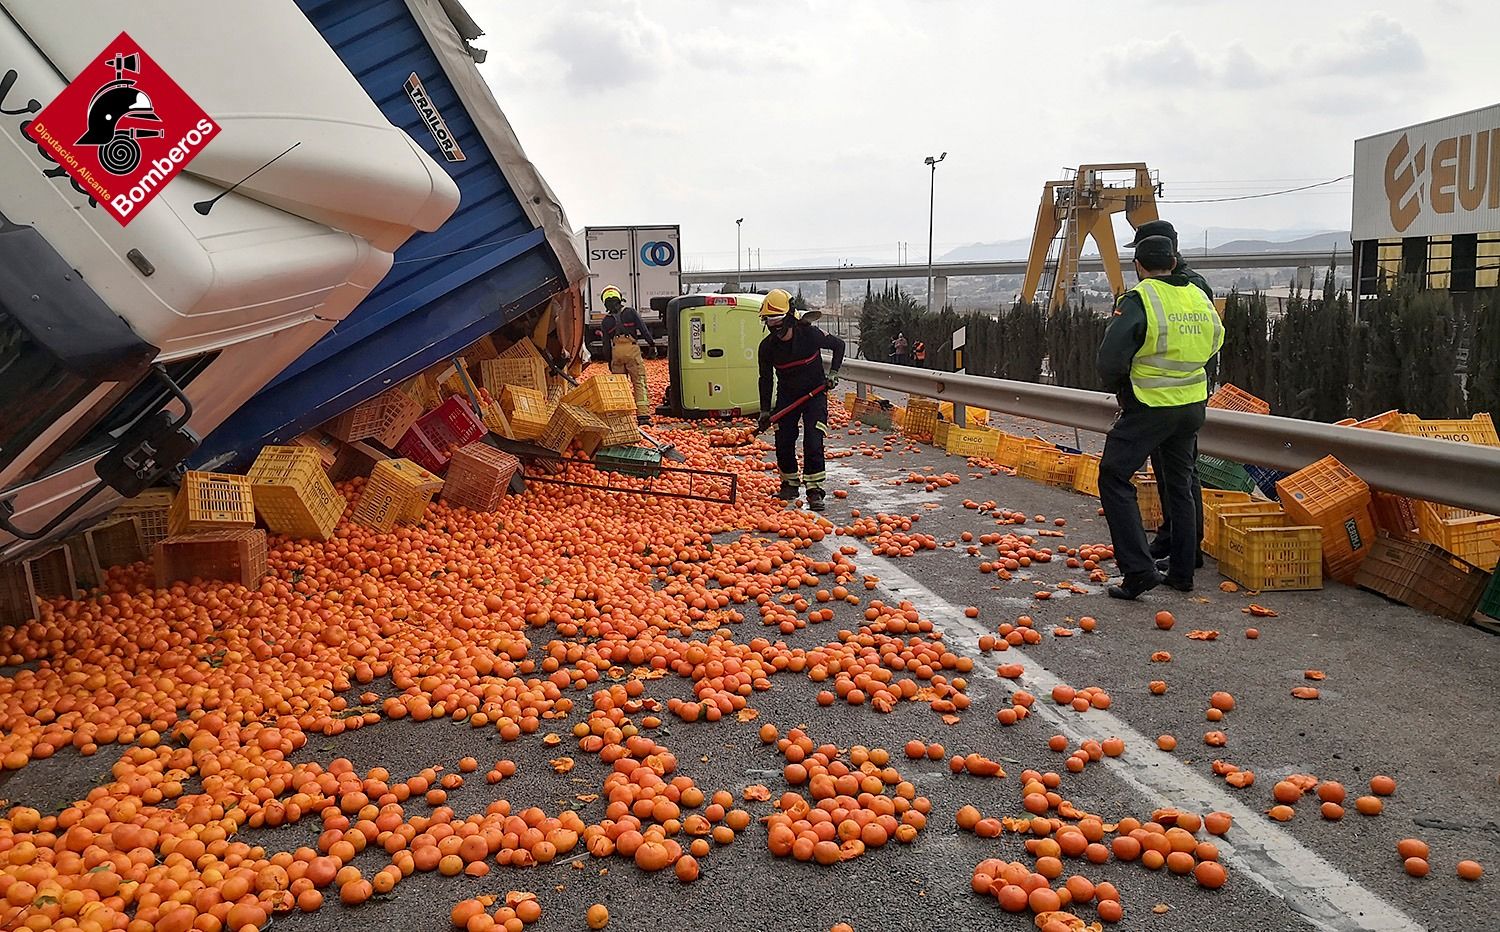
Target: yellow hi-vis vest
(1183,332)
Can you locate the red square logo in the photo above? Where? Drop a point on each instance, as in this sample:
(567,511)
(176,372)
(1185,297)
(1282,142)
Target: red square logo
(123,129)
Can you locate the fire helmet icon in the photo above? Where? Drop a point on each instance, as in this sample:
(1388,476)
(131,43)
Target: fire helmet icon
(114,103)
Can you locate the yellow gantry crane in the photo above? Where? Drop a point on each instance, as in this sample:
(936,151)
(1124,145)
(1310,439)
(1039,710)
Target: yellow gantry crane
(1076,208)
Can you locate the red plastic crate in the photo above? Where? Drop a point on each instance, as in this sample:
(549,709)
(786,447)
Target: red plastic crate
(432,439)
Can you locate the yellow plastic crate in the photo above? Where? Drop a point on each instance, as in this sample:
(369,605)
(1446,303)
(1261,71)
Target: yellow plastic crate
(940,434)
(1478,429)
(1086,479)
(1213,500)
(603,394)
(571,424)
(623,430)
(921,419)
(1049,466)
(1148,496)
(527,411)
(971,441)
(1009,449)
(292,493)
(397,490)
(1274,557)
(522,371)
(1253,514)
(1469,535)
(211,501)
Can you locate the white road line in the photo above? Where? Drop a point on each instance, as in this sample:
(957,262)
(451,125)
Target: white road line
(1310,885)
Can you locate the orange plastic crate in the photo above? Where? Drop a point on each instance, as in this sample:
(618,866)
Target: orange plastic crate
(1390,420)
(1233,398)
(1395,515)
(1327,494)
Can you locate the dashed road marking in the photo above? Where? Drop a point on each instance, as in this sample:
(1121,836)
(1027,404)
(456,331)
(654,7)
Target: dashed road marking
(1309,884)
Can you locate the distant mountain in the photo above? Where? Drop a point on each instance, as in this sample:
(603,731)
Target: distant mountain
(1333,240)
(1221,239)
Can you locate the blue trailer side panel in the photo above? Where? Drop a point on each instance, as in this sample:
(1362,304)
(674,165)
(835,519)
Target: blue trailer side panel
(487,265)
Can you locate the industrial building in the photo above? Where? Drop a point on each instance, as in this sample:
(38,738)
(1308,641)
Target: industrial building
(1427,206)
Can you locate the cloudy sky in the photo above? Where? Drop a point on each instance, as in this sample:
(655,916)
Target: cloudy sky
(810,118)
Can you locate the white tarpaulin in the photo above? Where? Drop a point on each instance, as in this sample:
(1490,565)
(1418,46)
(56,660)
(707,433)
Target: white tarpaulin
(441,22)
(1435,178)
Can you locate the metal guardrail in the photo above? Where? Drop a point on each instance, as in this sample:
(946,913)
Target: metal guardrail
(1317,259)
(1462,474)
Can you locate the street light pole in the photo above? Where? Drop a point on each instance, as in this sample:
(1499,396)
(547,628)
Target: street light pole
(931,192)
(737,250)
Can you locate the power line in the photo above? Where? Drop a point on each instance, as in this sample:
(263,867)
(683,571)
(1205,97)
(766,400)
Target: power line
(1246,197)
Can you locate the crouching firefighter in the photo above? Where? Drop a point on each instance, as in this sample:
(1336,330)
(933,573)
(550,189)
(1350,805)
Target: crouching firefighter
(792,355)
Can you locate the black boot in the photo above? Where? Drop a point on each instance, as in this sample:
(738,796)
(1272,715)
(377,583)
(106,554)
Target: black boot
(788,491)
(1132,587)
(815,499)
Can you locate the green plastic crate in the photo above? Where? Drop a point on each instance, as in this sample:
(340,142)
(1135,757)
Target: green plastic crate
(629,461)
(1216,473)
(1489,603)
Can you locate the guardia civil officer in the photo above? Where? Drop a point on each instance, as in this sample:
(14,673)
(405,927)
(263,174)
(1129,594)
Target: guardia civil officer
(1154,355)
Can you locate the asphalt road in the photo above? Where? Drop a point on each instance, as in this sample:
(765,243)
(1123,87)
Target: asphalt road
(1405,695)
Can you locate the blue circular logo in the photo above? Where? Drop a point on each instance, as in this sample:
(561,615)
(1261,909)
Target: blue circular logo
(658,253)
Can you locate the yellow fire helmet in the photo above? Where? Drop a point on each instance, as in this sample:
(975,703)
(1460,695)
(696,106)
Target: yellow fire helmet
(611,291)
(776,306)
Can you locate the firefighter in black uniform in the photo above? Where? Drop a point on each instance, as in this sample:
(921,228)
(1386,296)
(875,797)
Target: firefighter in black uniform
(792,355)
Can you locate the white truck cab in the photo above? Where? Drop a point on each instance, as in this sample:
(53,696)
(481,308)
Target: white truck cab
(120,346)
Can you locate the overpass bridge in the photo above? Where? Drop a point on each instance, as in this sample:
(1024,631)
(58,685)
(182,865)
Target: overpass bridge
(834,276)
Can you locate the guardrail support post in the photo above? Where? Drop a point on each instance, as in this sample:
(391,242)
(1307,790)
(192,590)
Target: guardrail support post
(833,301)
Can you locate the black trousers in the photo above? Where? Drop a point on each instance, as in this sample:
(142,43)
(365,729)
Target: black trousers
(1161,545)
(1138,431)
(813,418)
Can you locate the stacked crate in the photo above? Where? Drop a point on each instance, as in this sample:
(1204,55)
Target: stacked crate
(230,555)
(397,491)
(570,425)
(211,501)
(478,477)
(1262,550)
(971,441)
(292,493)
(1216,473)
(1213,500)
(1328,495)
